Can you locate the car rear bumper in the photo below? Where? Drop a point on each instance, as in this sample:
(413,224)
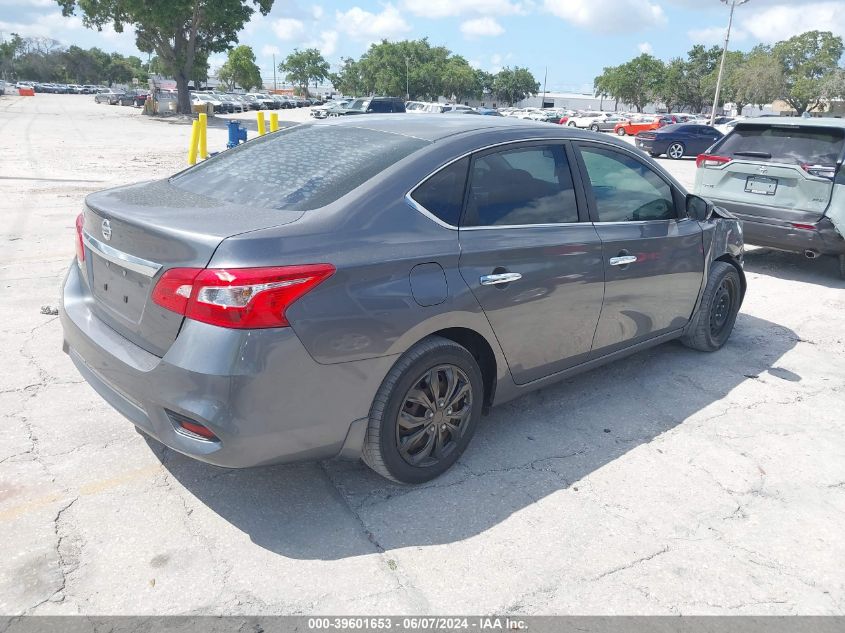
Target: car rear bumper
(259,391)
(760,230)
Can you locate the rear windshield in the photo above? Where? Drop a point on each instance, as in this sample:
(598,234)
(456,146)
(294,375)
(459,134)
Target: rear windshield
(303,168)
(784,144)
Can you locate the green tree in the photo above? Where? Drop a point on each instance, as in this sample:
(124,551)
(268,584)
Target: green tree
(240,69)
(701,64)
(638,81)
(9,51)
(303,67)
(348,79)
(808,62)
(673,86)
(179,31)
(512,85)
(759,80)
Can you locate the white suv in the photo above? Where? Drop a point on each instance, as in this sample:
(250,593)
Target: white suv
(586,119)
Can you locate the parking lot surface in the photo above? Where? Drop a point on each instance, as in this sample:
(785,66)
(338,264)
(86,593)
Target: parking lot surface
(672,482)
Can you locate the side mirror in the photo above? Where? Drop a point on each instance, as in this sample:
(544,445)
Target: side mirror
(698,208)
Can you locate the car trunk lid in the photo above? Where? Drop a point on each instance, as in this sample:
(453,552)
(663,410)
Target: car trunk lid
(134,234)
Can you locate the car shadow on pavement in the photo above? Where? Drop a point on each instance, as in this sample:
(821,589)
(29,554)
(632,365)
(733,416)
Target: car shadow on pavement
(823,271)
(523,451)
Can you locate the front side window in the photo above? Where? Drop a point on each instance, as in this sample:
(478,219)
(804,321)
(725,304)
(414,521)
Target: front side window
(624,189)
(526,185)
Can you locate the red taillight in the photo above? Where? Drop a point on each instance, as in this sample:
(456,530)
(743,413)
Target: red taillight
(803,227)
(80,246)
(563,120)
(238,297)
(711,160)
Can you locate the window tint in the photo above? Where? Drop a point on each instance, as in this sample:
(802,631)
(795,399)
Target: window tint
(531,185)
(305,167)
(784,144)
(624,189)
(443,193)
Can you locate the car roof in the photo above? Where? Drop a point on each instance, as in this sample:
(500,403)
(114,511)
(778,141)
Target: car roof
(433,127)
(794,120)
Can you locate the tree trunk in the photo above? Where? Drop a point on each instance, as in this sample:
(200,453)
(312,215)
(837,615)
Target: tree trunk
(183,101)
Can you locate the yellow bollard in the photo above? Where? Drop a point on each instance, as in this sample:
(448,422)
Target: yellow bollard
(203,121)
(261,129)
(192,150)
(274,121)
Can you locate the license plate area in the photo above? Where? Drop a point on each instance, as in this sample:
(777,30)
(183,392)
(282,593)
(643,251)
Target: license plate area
(762,185)
(121,290)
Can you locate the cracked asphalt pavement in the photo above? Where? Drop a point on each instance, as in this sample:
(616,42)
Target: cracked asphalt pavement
(672,482)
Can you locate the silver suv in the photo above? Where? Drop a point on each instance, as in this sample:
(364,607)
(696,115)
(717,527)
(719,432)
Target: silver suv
(783,178)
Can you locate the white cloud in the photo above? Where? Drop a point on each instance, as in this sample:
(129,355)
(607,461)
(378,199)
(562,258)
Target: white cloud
(778,22)
(452,8)
(317,12)
(645,47)
(363,25)
(268,50)
(608,16)
(781,22)
(326,43)
(288,29)
(481,27)
(53,25)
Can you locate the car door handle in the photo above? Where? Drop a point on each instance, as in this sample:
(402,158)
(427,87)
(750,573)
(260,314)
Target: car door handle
(622,260)
(501,278)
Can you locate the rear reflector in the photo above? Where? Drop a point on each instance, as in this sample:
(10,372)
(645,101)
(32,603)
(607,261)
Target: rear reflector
(711,160)
(803,227)
(238,297)
(187,426)
(80,246)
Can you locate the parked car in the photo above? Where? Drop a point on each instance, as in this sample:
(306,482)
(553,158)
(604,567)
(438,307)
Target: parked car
(586,119)
(265,101)
(783,178)
(253,102)
(323,111)
(203,98)
(318,306)
(608,124)
(89,89)
(632,127)
(678,140)
(488,111)
(109,96)
(371,105)
(284,102)
(135,98)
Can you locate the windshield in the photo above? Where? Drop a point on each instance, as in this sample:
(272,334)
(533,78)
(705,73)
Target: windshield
(302,168)
(359,104)
(784,144)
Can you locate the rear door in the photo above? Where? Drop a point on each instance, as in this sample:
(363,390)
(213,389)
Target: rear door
(701,137)
(652,254)
(533,263)
(778,173)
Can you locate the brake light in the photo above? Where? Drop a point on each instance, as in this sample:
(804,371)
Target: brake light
(238,297)
(711,160)
(803,227)
(820,171)
(563,120)
(80,245)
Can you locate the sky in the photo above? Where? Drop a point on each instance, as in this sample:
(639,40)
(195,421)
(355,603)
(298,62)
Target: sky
(570,39)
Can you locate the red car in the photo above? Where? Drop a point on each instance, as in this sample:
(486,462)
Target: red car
(635,127)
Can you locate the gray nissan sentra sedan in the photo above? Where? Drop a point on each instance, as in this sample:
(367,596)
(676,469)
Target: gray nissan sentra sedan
(368,286)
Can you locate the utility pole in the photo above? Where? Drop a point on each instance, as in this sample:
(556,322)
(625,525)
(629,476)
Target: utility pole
(734,4)
(274,73)
(545,76)
(407,81)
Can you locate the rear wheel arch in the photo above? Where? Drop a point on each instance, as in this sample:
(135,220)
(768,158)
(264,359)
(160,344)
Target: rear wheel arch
(483,353)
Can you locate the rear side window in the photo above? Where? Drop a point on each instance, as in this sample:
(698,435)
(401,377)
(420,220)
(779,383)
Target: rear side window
(526,185)
(443,193)
(380,106)
(306,167)
(784,144)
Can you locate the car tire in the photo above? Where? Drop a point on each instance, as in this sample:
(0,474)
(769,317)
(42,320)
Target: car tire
(594,127)
(676,151)
(571,124)
(713,321)
(620,131)
(403,391)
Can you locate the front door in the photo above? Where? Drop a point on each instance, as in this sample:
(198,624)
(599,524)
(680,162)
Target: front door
(532,263)
(653,254)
